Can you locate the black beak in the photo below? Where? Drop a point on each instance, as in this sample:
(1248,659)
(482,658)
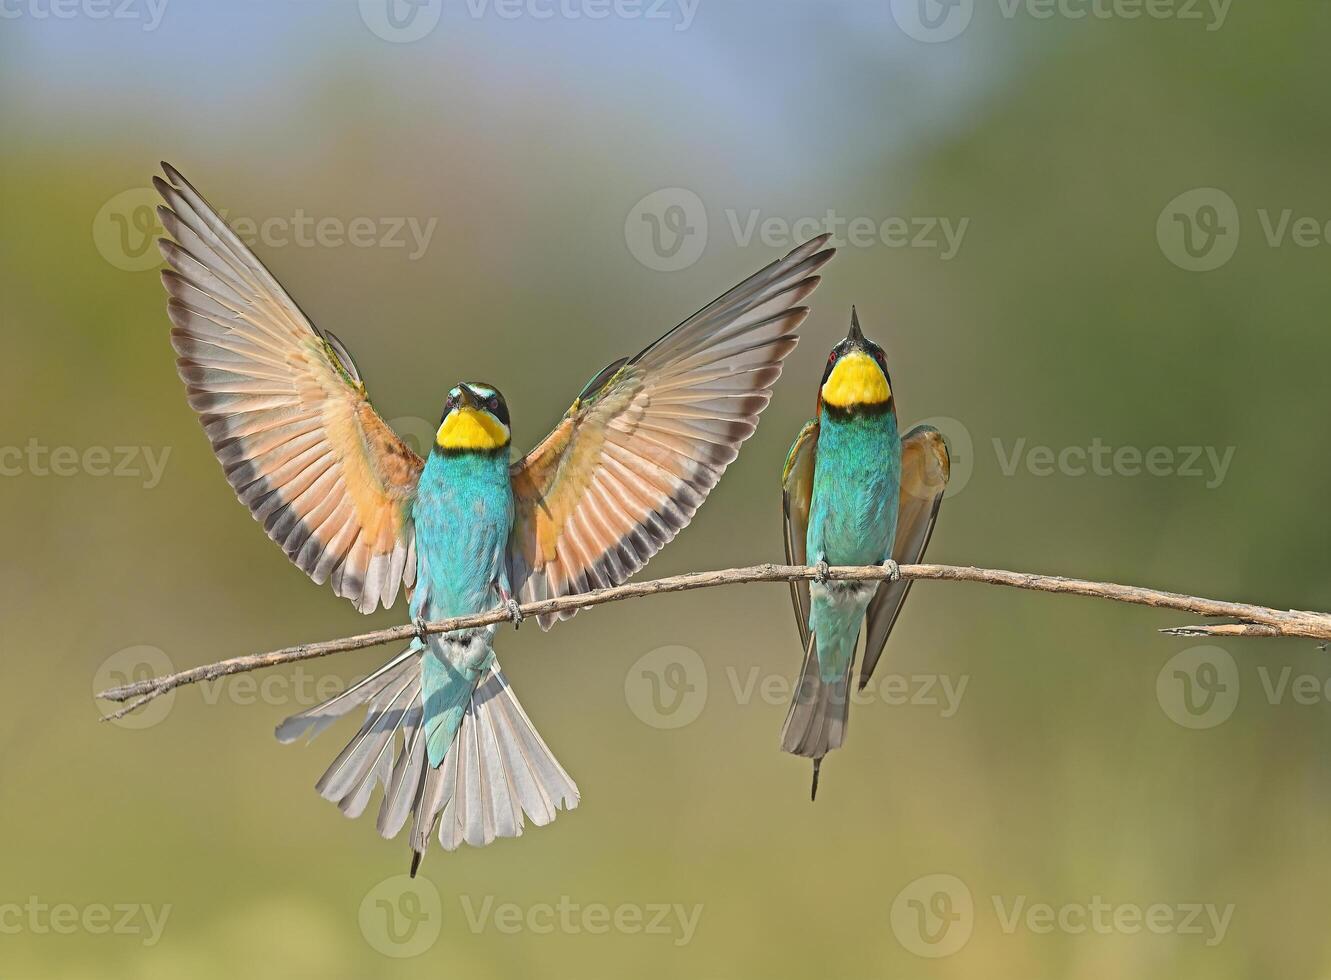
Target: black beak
(855,336)
(469,398)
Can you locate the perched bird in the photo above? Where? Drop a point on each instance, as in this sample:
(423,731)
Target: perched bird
(461,531)
(854,492)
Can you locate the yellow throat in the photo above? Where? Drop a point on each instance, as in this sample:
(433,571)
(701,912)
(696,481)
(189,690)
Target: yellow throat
(856,379)
(470,428)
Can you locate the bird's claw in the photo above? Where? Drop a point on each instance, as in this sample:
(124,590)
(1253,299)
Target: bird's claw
(514,612)
(821,571)
(421,632)
(893,570)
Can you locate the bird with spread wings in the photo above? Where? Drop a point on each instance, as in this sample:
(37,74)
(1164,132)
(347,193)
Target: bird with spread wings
(463,530)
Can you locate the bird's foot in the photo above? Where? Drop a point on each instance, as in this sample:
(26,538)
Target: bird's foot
(821,571)
(421,632)
(514,612)
(893,570)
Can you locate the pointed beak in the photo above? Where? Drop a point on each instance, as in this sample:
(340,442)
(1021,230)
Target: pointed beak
(855,336)
(469,398)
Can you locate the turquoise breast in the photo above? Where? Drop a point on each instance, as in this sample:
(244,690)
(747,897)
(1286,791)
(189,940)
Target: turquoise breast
(856,484)
(463,514)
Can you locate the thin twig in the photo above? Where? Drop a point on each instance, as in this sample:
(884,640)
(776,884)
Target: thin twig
(1252,620)
(1223,629)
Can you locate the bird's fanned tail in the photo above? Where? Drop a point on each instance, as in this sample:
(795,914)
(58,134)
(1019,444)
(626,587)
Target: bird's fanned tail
(819,713)
(497,771)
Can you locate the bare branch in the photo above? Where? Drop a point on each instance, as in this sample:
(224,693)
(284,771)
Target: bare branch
(1223,629)
(1252,620)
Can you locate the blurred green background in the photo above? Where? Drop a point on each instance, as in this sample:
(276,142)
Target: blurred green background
(1077,765)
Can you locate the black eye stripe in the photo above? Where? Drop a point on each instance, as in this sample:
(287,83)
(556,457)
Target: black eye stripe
(486,396)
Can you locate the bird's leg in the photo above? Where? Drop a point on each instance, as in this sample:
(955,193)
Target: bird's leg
(510,605)
(821,570)
(893,570)
(421,633)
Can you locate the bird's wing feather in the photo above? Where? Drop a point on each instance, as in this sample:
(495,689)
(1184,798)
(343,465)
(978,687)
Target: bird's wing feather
(924,473)
(796,501)
(640,449)
(285,410)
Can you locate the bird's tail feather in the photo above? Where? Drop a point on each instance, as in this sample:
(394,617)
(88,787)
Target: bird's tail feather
(819,711)
(497,770)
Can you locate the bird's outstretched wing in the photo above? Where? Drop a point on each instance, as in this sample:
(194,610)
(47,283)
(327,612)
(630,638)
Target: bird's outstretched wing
(649,437)
(924,472)
(796,501)
(285,410)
